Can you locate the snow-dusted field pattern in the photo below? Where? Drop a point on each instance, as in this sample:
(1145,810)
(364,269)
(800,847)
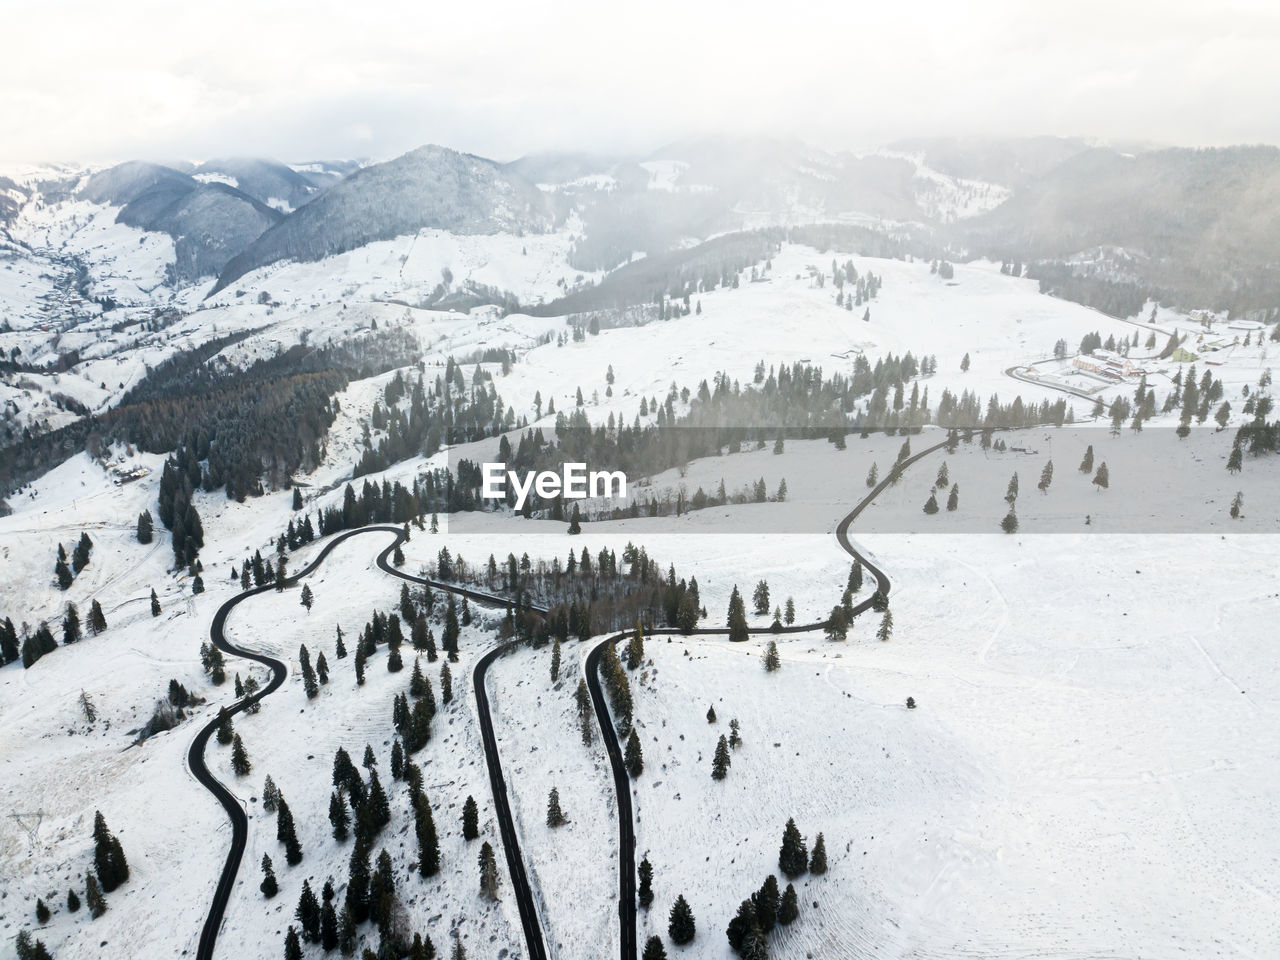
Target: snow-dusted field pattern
(1067,746)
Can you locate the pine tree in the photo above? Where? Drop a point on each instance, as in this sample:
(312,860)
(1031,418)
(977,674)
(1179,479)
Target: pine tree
(711,714)
(489,879)
(1011,493)
(269,886)
(307,597)
(555,816)
(470,819)
(1086,465)
(63,573)
(424,826)
(742,926)
(555,660)
(771,659)
(953,500)
(653,950)
(80,556)
(645,891)
(309,684)
(382,889)
(42,912)
(635,648)
(340,648)
(886,627)
(270,795)
(765,902)
(97,619)
(633,756)
(1102,479)
(737,617)
(760,597)
(239,758)
(1236,461)
(329,924)
(339,818)
(292,948)
(1046,477)
(789,612)
(285,834)
(931,505)
(680,924)
(357,896)
(93,897)
(217,667)
(397,761)
(793,857)
(1010,522)
(377,803)
(225,731)
(307,913)
(789,908)
(73,901)
(417,682)
(145,526)
(346,932)
(756,947)
(155,603)
(837,627)
(720,763)
(322,668)
(26,949)
(108,856)
(818,860)
(446,684)
(71,625)
(735,739)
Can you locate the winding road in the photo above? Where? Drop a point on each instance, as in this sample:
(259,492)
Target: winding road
(501,802)
(622,780)
(502,806)
(279,672)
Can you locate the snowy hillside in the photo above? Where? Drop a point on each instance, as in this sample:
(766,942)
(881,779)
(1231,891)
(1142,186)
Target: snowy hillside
(1044,734)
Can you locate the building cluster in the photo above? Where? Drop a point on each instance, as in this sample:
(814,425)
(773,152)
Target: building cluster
(1108,364)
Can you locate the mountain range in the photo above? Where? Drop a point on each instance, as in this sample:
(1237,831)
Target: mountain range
(1196,227)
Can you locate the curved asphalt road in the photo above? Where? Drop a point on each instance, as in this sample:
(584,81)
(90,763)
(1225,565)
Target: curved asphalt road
(501,802)
(622,780)
(279,672)
(502,807)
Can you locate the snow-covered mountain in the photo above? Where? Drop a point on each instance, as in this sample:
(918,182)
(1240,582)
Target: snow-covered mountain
(431,187)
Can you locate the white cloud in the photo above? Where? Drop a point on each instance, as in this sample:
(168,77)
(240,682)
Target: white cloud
(100,81)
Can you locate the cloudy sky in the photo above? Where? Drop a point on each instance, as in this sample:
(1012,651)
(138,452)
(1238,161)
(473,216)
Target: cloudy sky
(94,80)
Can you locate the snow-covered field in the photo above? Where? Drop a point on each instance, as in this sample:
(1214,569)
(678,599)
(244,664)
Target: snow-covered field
(1085,774)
